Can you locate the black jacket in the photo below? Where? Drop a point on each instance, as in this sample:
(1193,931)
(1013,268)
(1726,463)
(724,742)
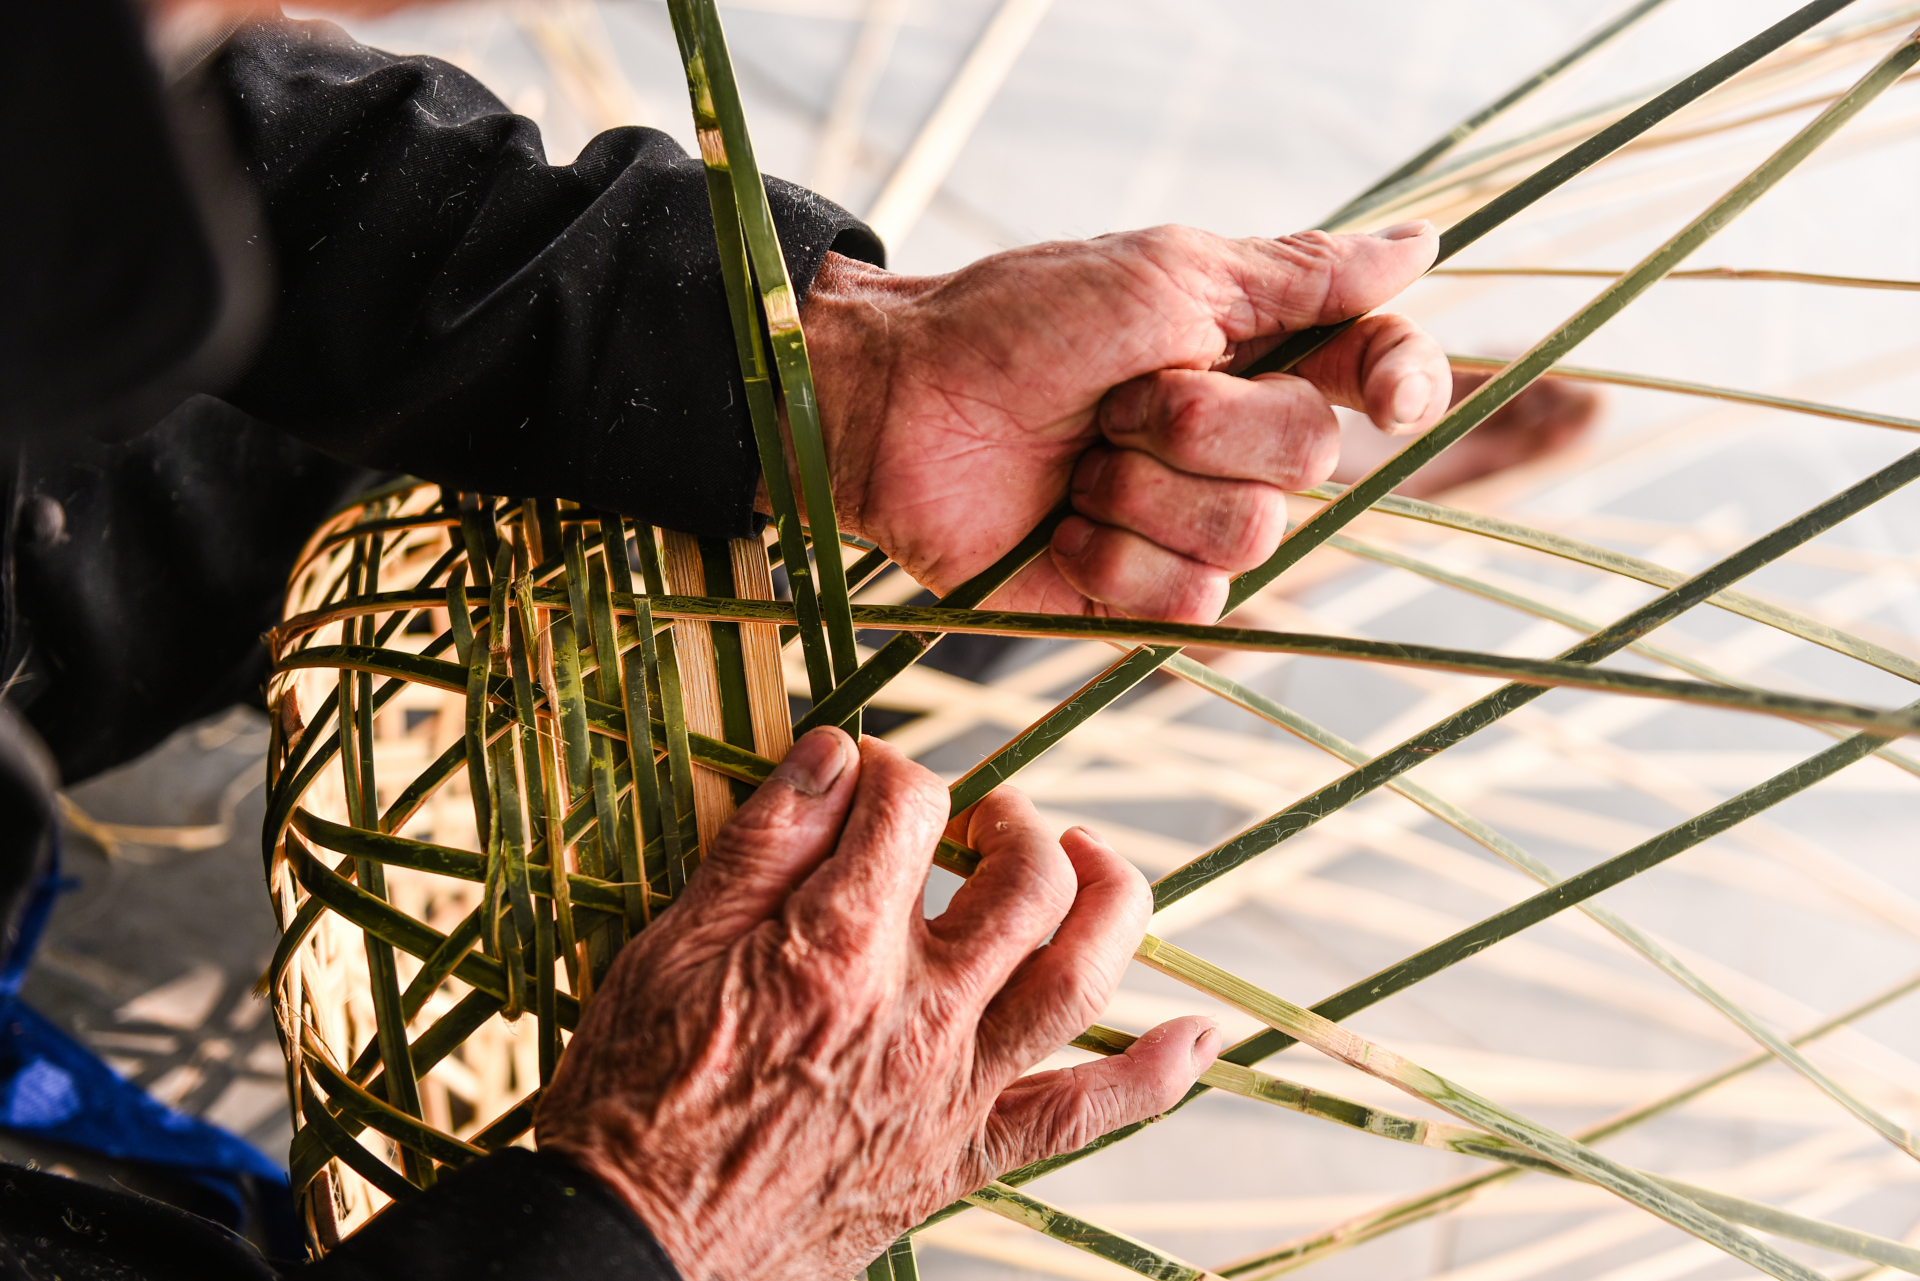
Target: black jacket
(369,261)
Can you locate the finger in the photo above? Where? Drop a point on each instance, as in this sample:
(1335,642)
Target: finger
(1230,524)
(1061,988)
(1022,890)
(1053,1112)
(1275,428)
(1123,573)
(1389,368)
(869,892)
(778,836)
(1317,277)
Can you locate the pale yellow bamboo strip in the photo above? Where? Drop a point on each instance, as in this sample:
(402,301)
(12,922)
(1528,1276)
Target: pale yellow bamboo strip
(760,644)
(699,682)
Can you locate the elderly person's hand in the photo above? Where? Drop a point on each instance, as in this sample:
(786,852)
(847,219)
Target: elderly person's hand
(792,1065)
(958,410)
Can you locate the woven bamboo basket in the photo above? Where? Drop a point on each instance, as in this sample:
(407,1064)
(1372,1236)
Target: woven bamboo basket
(404,832)
(465,821)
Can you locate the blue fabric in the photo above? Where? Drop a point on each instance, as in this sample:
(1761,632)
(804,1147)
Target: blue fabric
(54,1088)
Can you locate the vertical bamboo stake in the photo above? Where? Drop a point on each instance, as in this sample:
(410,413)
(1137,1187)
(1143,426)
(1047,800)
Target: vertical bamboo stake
(699,682)
(766,680)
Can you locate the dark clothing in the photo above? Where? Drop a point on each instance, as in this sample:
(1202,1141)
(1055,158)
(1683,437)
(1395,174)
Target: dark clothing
(442,302)
(368,259)
(517,1215)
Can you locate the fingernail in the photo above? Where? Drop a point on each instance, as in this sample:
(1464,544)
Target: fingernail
(813,764)
(1091,835)
(1410,399)
(1206,1046)
(1073,536)
(1405,230)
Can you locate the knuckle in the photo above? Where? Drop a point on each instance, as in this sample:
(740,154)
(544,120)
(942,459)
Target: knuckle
(1255,519)
(1310,447)
(1188,421)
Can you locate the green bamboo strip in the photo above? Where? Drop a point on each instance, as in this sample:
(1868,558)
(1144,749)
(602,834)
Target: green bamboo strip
(751,352)
(1483,712)
(292,937)
(1570,165)
(1354,1231)
(1541,609)
(1733,602)
(572,751)
(1387,1124)
(618,835)
(1379,192)
(509,1125)
(435,968)
(381,919)
(327,1129)
(640,829)
(357,768)
(1484,166)
(1701,273)
(533,918)
(478,539)
(592,613)
(907,648)
(1068,1229)
(901,1258)
(447,1033)
(1524,861)
(409,1132)
(1574,1157)
(601,719)
(1578,888)
(1521,373)
(663,676)
(1612,378)
(1543,673)
(726,146)
(586,892)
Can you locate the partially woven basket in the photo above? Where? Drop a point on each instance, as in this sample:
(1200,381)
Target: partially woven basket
(456,678)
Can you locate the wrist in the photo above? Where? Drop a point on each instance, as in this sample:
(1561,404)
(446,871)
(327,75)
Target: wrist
(857,318)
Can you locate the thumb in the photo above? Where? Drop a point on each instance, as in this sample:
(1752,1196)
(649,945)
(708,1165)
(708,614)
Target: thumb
(1052,1112)
(1317,278)
(782,832)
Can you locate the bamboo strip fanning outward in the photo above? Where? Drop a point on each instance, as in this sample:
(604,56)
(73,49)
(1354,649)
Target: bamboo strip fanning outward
(726,145)
(1351,1232)
(1574,373)
(1380,192)
(1102,1243)
(1700,273)
(1261,1087)
(1333,1040)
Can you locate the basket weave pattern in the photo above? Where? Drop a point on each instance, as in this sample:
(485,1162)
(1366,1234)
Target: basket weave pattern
(414,880)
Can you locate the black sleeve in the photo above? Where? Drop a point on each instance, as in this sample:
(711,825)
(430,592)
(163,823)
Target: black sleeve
(450,304)
(516,1214)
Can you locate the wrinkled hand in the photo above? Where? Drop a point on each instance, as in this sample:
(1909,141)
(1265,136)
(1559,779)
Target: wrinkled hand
(958,410)
(792,1065)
